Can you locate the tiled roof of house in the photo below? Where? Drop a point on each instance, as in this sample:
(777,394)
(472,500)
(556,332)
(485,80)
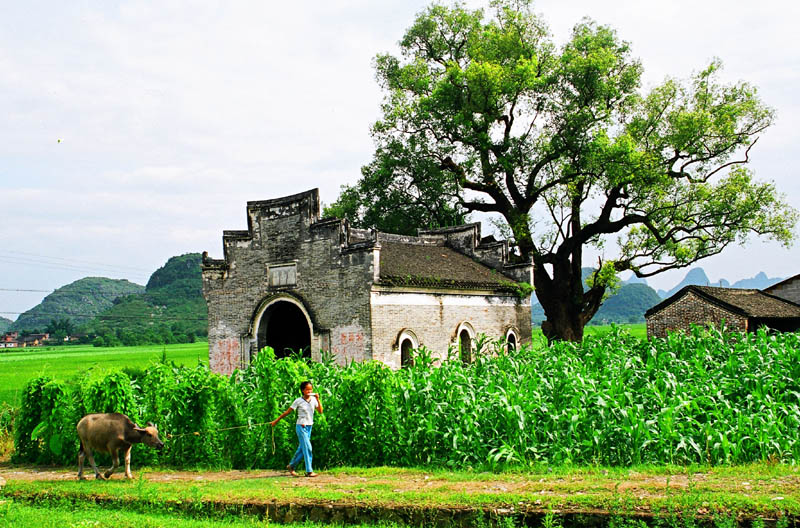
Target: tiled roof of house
(436,266)
(750,303)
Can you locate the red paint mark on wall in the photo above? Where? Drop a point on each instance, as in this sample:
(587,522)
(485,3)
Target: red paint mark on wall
(349,344)
(225,356)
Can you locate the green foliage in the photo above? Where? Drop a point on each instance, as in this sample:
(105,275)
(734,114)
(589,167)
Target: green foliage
(171,310)
(706,398)
(77,302)
(483,112)
(627,305)
(400,192)
(5,325)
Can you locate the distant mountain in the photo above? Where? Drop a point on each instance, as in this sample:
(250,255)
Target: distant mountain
(698,277)
(626,306)
(79,302)
(172,307)
(635,280)
(759,282)
(5,324)
(695,277)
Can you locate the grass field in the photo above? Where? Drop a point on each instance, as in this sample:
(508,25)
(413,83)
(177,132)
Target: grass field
(66,362)
(638,330)
(20,515)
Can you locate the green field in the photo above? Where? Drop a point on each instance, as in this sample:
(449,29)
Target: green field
(638,330)
(63,363)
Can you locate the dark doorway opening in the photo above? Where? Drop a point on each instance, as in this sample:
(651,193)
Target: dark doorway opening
(284,327)
(511,342)
(465,348)
(405,353)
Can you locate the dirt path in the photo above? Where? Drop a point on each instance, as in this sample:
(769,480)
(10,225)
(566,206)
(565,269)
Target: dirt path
(635,483)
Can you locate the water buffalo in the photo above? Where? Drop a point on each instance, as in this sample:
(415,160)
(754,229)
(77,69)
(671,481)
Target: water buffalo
(110,433)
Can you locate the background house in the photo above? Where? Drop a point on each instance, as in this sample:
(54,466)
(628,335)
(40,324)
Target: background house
(740,309)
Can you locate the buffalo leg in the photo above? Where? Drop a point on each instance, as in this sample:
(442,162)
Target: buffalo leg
(81,456)
(89,454)
(128,462)
(114,461)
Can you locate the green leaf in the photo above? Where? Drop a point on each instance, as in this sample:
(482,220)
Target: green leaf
(39,430)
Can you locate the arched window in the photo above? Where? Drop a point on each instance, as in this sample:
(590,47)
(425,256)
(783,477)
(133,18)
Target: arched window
(511,340)
(465,337)
(407,341)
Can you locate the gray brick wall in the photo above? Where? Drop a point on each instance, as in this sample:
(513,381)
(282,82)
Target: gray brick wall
(332,285)
(789,290)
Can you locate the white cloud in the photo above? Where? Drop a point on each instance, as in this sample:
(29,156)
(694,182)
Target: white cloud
(172,117)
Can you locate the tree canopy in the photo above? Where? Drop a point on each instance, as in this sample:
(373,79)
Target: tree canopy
(485,113)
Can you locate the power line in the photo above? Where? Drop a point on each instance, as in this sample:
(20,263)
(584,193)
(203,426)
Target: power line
(100,264)
(56,265)
(103,316)
(59,290)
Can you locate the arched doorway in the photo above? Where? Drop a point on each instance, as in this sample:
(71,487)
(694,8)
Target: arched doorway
(284,326)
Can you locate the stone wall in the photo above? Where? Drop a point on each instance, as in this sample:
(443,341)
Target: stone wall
(434,318)
(287,253)
(688,310)
(788,289)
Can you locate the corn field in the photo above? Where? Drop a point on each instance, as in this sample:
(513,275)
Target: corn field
(708,397)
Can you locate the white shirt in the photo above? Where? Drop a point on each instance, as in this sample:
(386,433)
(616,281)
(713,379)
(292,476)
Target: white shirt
(305,410)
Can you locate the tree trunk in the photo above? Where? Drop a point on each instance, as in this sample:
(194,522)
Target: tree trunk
(562,329)
(567,307)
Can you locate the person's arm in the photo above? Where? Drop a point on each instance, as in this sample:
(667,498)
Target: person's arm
(281,417)
(319,403)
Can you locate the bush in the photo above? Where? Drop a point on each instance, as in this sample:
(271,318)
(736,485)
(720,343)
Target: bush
(707,397)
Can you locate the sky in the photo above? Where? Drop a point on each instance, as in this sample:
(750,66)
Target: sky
(136,131)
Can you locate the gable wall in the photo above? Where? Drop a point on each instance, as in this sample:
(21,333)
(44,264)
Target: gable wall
(332,283)
(789,290)
(688,310)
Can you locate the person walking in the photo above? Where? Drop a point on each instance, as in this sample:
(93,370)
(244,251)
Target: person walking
(305,407)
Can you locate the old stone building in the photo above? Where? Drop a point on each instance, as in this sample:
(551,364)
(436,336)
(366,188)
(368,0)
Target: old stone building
(741,309)
(295,282)
(788,289)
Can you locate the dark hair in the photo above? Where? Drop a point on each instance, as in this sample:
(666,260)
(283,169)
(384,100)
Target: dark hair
(304,384)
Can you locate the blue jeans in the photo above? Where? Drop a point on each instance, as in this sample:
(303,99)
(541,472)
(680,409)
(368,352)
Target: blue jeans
(304,449)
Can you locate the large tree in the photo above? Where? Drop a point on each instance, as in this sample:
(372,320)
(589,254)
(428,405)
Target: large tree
(565,145)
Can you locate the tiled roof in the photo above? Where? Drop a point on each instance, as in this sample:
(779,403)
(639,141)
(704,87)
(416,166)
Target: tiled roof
(750,303)
(436,266)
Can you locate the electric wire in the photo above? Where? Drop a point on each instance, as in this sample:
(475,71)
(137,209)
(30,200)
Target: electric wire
(68,260)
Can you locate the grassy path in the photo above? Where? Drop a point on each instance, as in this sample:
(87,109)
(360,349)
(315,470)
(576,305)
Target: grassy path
(761,491)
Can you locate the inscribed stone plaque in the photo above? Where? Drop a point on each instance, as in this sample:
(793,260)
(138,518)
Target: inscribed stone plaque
(283,275)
